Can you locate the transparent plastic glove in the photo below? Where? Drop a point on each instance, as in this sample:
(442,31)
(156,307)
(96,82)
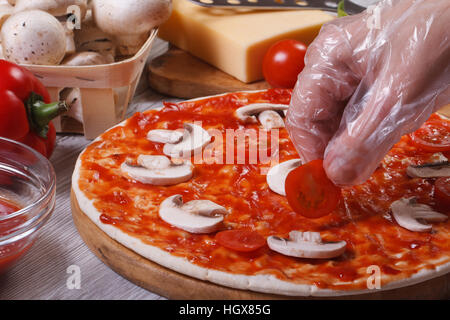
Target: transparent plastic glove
(365,85)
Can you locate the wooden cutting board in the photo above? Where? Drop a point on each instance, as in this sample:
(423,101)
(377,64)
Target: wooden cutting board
(173,285)
(179,74)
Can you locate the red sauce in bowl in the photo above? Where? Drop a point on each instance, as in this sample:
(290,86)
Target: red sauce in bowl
(10,253)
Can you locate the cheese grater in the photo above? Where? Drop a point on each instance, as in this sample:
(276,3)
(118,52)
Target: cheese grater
(328,5)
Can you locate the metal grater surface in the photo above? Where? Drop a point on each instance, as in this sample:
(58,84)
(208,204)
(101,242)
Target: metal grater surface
(328,5)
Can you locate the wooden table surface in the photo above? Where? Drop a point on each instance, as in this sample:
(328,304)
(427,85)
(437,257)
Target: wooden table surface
(43,272)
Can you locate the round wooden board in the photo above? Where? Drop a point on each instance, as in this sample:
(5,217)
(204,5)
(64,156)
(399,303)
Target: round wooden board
(179,74)
(174,285)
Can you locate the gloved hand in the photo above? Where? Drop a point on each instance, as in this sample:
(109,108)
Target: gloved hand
(364,86)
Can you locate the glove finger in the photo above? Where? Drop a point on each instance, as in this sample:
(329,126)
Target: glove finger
(320,94)
(373,122)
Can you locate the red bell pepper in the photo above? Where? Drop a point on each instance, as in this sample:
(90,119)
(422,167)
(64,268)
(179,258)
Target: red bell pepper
(26,110)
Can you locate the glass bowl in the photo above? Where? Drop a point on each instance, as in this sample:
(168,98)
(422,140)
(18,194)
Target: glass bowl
(28,182)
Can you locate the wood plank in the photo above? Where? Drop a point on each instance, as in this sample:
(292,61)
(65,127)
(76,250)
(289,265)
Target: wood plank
(178,74)
(445,111)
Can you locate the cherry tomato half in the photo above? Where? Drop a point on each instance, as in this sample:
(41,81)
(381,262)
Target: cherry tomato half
(241,240)
(283,62)
(433,136)
(442,192)
(310,192)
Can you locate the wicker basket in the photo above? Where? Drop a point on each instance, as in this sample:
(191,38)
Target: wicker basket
(106,90)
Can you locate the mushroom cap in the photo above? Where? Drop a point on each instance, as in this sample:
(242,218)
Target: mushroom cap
(158,171)
(56,8)
(194,139)
(276,177)
(165,136)
(249,112)
(118,17)
(306,245)
(91,38)
(84,59)
(70,41)
(411,215)
(429,170)
(33,37)
(271,119)
(198,216)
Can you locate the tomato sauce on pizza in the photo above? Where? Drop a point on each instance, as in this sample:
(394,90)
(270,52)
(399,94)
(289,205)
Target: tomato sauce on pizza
(362,219)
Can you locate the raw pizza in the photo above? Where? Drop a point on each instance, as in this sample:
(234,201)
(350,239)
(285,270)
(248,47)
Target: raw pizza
(156,185)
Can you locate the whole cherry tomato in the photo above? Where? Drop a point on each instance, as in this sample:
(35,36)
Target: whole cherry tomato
(283,62)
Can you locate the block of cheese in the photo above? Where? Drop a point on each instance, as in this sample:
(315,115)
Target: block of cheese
(235,41)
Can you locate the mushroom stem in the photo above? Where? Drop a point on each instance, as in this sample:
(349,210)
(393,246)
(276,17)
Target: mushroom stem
(130,44)
(72,97)
(158,170)
(306,245)
(271,119)
(130,22)
(90,38)
(276,177)
(412,215)
(270,115)
(70,41)
(197,216)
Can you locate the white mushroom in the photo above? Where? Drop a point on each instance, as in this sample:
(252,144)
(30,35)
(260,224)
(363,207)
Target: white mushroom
(270,115)
(91,39)
(130,22)
(306,245)
(429,170)
(276,177)
(194,139)
(198,216)
(61,9)
(85,59)
(413,216)
(72,97)
(158,170)
(271,119)
(165,136)
(5,12)
(57,8)
(33,37)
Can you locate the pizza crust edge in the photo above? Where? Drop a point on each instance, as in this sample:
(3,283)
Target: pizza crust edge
(258,283)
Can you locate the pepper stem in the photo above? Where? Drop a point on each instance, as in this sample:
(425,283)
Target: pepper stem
(40,113)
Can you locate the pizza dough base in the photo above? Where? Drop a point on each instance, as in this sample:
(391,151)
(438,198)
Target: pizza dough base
(258,283)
